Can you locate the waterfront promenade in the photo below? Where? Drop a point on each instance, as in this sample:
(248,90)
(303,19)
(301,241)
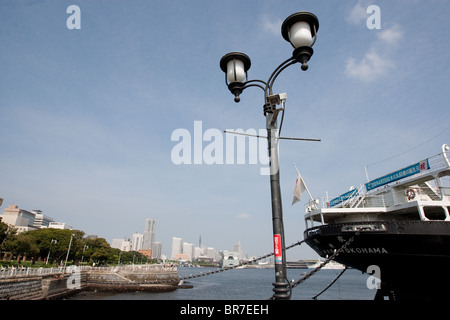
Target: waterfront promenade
(56,283)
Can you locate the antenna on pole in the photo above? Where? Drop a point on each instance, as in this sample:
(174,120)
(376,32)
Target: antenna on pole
(283,138)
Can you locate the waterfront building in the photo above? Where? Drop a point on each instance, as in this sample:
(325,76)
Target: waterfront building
(41,220)
(18,218)
(177,247)
(60,225)
(181,257)
(198,252)
(137,241)
(23,220)
(212,253)
(188,249)
(238,248)
(229,258)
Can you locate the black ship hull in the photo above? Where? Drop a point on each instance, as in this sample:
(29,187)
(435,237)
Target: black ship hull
(413,257)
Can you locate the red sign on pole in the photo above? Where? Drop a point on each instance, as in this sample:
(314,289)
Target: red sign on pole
(277,248)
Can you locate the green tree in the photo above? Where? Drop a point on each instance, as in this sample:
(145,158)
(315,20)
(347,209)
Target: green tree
(5,233)
(99,250)
(22,244)
(56,241)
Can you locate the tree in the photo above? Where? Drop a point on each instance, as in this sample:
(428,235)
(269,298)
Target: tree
(99,250)
(6,233)
(56,241)
(22,244)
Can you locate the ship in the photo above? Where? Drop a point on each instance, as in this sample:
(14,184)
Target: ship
(395,228)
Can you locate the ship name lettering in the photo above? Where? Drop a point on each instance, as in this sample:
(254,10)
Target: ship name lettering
(377,250)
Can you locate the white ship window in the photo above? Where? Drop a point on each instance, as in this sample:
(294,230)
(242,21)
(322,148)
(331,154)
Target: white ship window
(434,213)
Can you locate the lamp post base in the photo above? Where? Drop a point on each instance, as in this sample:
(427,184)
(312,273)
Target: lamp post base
(282,291)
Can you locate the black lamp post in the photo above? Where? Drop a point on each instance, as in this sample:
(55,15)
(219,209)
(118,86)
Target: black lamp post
(300,29)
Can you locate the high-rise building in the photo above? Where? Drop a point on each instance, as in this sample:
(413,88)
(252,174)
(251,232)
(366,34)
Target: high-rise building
(237,248)
(137,241)
(177,247)
(156,250)
(149,233)
(188,249)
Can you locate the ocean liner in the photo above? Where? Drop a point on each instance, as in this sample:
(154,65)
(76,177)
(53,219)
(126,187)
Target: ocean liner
(400,225)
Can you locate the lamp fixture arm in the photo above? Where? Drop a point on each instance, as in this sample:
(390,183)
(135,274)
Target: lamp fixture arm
(247,85)
(274,75)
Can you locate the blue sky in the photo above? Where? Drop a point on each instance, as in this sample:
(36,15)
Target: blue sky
(86,116)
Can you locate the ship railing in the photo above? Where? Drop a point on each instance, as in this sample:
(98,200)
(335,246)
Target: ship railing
(423,193)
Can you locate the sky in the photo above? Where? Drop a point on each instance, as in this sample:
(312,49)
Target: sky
(89,117)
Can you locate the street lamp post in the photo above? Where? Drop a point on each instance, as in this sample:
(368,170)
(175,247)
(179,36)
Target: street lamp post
(49,249)
(300,29)
(68,250)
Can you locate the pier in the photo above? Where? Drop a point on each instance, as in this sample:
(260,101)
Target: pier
(58,283)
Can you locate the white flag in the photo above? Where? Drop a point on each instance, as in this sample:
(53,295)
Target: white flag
(299,189)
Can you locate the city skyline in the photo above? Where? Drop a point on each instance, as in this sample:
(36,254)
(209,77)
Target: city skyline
(117,112)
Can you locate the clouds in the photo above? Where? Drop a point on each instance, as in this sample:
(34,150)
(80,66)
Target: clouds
(391,35)
(243,216)
(378,60)
(272,27)
(372,66)
(357,14)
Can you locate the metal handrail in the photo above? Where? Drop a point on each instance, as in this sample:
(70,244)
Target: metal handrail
(20,272)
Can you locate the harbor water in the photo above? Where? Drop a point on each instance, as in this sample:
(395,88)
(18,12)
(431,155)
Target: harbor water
(252,284)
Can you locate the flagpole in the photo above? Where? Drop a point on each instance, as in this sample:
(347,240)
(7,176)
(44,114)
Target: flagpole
(306,187)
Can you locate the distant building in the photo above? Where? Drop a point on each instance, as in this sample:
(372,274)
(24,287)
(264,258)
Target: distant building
(238,248)
(116,243)
(149,233)
(24,220)
(181,257)
(137,241)
(198,252)
(41,220)
(188,250)
(229,258)
(121,244)
(156,250)
(147,253)
(177,247)
(212,253)
(20,219)
(60,225)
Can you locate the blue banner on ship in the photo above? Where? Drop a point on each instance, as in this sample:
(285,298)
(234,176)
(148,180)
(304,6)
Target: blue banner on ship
(343,197)
(397,175)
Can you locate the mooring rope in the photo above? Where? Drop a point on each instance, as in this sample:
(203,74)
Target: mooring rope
(323,264)
(310,274)
(239,265)
(332,282)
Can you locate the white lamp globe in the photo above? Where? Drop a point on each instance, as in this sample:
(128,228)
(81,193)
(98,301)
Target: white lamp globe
(300,33)
(235,71)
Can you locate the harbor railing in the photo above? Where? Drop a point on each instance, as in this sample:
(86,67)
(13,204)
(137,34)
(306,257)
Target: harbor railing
(9,272)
